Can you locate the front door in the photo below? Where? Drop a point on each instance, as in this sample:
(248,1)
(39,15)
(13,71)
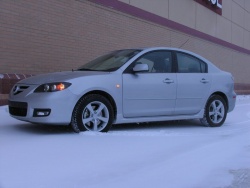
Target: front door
(151,93)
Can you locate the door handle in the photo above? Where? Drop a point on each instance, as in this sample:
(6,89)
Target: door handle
(204,81)
(168,81)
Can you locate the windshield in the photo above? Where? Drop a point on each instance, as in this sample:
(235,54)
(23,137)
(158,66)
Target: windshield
(110,62)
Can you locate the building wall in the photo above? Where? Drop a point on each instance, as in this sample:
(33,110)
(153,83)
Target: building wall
(232,26)
(57,35)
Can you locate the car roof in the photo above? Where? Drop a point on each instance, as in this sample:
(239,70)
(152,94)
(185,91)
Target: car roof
(148,49)
(169,48)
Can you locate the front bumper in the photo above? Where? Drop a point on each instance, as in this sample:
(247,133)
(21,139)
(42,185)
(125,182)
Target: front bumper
(43,108)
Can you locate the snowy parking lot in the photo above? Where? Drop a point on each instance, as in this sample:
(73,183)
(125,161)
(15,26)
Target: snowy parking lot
(175,154)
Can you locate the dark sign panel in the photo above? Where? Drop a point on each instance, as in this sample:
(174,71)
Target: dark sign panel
(214,5)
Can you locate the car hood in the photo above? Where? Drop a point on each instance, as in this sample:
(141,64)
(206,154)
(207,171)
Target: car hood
(59,77)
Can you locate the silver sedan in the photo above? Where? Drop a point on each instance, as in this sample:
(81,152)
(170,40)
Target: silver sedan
(127,86)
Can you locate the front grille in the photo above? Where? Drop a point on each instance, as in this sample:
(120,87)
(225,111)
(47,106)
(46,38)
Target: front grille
(18,108)
(19,89)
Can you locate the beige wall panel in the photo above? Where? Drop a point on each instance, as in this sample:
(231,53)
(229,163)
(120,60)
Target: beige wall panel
(237,14)
(237,35)
(223,58)
(178,39)
(239,2)
(196,16)
(182,12)
(207,50)
(233,62)
(247,20)
(223,29)
(241,67)
(158,7)
(247,5)
(227,9)
(193,44)
(181,40)
(206,20)
(247,39)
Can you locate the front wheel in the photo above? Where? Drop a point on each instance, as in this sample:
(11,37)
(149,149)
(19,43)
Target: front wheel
(94,113)
(215,112)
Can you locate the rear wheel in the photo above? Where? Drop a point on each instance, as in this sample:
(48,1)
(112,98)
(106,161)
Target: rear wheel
(94,113)
(215,112)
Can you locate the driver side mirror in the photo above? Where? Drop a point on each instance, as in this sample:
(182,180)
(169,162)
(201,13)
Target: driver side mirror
(141,68)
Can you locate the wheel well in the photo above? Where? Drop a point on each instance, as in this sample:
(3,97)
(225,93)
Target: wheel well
(107,96)
(223,96)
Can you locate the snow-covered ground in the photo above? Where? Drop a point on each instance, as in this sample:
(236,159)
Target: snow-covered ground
(176,154)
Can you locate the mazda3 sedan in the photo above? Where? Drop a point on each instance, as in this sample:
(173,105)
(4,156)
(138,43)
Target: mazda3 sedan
(127,86)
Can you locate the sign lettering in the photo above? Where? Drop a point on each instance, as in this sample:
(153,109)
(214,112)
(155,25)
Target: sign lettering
(216,2)
(214,5)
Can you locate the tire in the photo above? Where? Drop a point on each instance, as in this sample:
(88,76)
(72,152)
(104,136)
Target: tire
(93,113)
(215,112)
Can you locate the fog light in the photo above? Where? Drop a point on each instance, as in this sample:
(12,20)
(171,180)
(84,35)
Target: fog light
(41,112)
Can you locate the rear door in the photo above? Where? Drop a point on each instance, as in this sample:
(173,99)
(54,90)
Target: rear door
(194,84)
(151,93)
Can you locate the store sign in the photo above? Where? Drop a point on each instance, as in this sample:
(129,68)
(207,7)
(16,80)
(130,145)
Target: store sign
(214,5)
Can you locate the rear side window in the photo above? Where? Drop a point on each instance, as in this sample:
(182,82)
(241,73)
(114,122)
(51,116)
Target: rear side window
(190,64)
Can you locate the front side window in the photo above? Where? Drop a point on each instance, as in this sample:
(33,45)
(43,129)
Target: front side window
(189,64)
(110,62)
(157,61)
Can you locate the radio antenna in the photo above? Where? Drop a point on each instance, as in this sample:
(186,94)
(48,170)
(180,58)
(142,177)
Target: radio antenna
(184,43)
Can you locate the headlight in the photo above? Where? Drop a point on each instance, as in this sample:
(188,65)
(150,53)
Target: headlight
(52,87)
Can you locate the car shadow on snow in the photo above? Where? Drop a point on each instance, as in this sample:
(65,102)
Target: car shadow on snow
(178,124)
(57,129)
(44,129)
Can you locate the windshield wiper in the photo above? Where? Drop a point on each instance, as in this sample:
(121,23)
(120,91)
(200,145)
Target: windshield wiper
(84,69)
(111,69)
(105,70)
